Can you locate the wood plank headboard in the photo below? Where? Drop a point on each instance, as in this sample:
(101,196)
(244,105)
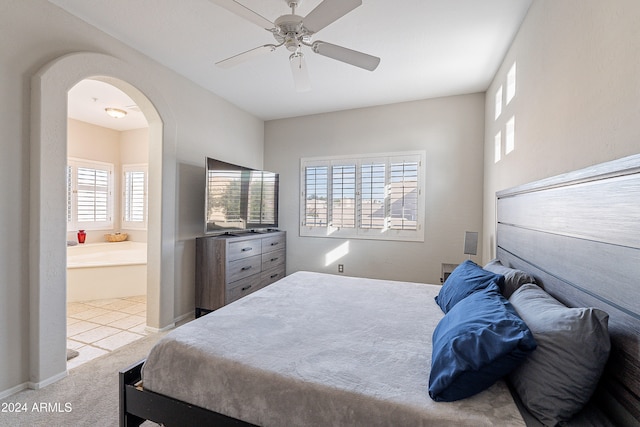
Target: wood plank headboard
(579,235)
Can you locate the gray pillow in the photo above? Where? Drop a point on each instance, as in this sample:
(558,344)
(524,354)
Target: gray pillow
(559,377)
(513,278)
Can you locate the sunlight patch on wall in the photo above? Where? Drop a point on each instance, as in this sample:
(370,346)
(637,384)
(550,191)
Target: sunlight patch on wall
(504,109)
(511,83)
(498,102)
(335,254)
(510,137)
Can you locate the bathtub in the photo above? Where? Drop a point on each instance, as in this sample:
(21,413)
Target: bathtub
(106,270)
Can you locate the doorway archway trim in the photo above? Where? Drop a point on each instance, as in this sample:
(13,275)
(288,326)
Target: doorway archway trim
(47,238)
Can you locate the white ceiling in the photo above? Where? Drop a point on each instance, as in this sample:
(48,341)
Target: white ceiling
(429,48)
(87,102)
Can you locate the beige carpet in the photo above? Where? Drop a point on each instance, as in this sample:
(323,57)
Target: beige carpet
(88,396)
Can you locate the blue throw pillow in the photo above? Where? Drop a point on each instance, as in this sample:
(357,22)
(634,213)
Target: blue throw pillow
(466,279)
(478,342)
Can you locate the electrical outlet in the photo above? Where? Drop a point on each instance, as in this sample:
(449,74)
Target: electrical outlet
(340,268)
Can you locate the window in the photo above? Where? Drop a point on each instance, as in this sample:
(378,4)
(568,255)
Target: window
(316,190)
(134,196)
(89,195)
(367,196)
(343,196)
(497,144)
(372,195)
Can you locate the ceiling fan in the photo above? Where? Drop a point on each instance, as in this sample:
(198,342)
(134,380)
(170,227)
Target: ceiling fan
(294,32)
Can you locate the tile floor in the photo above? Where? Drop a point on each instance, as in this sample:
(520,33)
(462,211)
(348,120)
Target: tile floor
(97,327)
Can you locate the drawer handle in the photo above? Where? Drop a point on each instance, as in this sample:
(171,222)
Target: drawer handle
(246,249)
(274,275)
(245,268)
(274,259)
(246,287)
(274,243)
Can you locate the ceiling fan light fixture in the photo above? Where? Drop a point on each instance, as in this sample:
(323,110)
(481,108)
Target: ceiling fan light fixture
(292,44)
(116,113)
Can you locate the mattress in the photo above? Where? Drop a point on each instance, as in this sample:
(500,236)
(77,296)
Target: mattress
(319,350)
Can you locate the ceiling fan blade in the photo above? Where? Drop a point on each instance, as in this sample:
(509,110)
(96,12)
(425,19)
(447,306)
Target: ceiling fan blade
(327,12)
(300,72)
(244,12)
(353,57)
(245,56)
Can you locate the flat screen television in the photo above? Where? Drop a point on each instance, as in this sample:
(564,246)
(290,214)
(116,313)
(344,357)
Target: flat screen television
(239,198)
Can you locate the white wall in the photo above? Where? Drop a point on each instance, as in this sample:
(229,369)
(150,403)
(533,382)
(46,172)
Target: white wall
(449,129)
(134,146)
(134,150)
(578,94)
(34,33)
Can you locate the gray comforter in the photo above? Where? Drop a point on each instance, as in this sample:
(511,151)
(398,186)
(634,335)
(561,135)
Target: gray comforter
(319,350)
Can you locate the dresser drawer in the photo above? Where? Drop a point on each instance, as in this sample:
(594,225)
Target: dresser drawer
(244,249)
(229,267)
(270,276)
(244,267)
(273,259)
(241,288)
(273,243)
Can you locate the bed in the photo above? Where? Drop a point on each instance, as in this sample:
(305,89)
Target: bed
(317,349)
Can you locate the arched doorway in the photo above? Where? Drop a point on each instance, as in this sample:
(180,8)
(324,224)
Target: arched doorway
(47,240)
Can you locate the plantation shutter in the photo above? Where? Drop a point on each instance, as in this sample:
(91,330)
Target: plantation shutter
(374,196)
(89,195)
(343,196)
(92,195)
(316,195)
(134,196)
(403,195)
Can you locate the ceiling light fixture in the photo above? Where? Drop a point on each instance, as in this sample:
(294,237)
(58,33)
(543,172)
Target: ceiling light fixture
(116,113)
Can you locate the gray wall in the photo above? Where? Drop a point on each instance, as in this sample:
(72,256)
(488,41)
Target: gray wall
(578,95)
(450,130)
(34,33)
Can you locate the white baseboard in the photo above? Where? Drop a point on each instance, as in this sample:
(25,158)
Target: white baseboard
(183,317)
(8,392)
(156,330)
(50,380)
(176,321)
(32,385)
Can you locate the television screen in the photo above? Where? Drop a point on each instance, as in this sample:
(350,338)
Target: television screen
(239,198)
(262,201)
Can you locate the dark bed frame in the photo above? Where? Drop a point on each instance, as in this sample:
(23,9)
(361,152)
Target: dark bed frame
(577,233)
(138,405)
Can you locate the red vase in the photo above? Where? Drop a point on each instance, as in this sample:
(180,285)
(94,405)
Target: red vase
(81,236)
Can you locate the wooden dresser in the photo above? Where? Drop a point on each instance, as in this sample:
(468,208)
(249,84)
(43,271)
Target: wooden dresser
(229,267)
